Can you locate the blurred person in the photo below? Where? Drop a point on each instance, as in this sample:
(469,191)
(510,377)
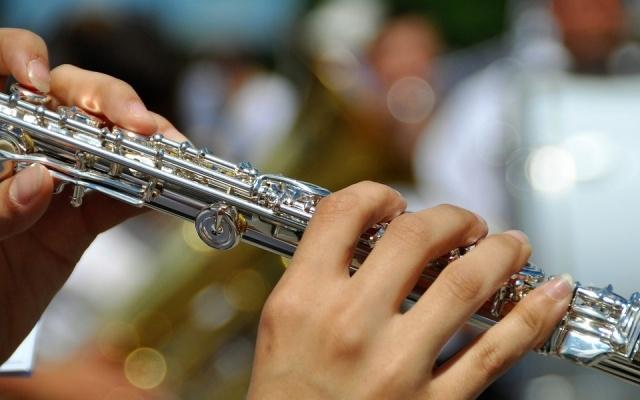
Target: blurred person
(475,127)
(566,60)
(204,304)
(387,91)
(255,103)
(591,32)
(328,145)
(28,193)
(236,106)
(294,356)
(117,45)
(402,97)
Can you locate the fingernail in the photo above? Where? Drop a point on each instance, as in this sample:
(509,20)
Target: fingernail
(26,184)
(38,75)
(521,236)
(559,287)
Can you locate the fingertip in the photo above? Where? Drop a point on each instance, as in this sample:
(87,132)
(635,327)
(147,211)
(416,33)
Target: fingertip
(174,134)
(401,205)
(38,74)
(167,129)
(23,55)
(483,222)
(559,288)
(519,235)
(30,185)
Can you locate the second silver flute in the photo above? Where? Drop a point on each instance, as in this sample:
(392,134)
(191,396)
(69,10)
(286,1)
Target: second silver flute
(230,202)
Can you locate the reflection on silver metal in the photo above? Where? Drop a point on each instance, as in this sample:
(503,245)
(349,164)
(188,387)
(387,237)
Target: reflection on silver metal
(219,226)
(601,329)
(229,202)
(76,114)
(516,289)
(32,96)
(377,234)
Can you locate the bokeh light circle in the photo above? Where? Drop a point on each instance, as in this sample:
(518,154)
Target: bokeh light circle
(145,368)
(551,169)
(411,99)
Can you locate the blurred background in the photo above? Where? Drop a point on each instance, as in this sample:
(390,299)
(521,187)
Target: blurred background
(524,111)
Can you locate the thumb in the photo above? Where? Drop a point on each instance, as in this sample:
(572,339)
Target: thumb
(24,197)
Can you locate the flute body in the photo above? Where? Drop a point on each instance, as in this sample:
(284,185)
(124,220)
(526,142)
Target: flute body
(229,202)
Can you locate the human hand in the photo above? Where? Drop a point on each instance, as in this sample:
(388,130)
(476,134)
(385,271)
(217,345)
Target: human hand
(42,238)
(327,335)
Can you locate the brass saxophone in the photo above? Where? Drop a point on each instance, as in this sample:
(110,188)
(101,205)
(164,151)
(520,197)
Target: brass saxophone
(231,202)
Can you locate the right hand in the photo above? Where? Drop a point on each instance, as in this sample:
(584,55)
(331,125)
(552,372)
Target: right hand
(327,335)
(42,238)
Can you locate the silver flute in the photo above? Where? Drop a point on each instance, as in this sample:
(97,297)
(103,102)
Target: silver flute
(230,202)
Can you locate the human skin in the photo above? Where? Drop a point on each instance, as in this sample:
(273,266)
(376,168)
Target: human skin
(323,334)
(41,236)
(327,335)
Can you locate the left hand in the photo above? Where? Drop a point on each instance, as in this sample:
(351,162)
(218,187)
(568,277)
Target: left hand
(42,238)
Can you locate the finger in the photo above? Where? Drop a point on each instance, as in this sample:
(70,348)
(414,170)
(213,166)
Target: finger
(527,326)
(409,243)
(23,55)
(463,286)
(103,95)
(167,128)
(81,225)
(6,169)
(24,198)
(97,220)
(337,224)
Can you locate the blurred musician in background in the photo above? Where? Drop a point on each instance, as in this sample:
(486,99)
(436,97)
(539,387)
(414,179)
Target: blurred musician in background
(544,139)
(187,329)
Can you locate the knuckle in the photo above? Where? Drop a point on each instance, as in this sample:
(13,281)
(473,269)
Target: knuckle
(126,88)
(368,184)
(161,119)
(505,245)
(383,195)
(347,342)
(393,371)
(448,208)
(62,69)
(23,35)
(338,203)
(452,211)
(410,227)
(111,86)
(348,334)
(491,360)
(393,379)
(360,199)
(282,306)
(461,285)
(268,321)
(528,318)
(455,215)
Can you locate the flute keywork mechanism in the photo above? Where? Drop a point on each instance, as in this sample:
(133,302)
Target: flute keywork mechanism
(230,202)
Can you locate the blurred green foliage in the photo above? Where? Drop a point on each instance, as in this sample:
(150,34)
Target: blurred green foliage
(462,22)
